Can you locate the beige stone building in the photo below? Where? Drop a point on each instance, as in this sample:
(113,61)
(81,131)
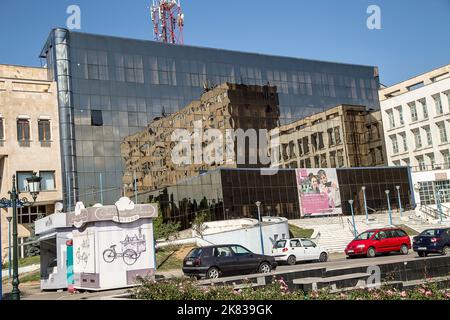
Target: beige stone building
(343,136)
(29,141)
(147,155)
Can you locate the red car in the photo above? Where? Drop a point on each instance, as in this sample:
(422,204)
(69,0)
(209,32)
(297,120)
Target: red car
(374,241)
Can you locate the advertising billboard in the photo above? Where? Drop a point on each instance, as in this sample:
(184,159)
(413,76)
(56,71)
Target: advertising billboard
(318,191)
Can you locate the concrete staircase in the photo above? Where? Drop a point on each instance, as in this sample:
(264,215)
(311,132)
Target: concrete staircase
(334,233)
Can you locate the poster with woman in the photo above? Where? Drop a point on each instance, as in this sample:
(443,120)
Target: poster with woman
(318,191)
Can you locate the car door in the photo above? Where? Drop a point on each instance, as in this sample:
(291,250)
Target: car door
(225,259)
(382,241)
(394,241)
(296,249)
(245,259)
(310,249)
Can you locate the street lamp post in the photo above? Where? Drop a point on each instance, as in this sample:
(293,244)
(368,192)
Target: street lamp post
(438,204)
(33,184)
(389,206)
(363,188)
(9,218)
(353,218)
(399,200)
(258,204)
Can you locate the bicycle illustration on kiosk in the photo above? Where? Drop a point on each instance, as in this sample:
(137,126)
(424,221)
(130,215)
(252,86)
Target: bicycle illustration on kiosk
(132,247)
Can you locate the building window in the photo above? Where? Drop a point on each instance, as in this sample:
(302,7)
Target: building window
(429,135)
(2,132)
(397,163)
(333,159)
(96,118)
(391,119)
(438,104)
(337,135)
(23,132)
(316,162)
(406,162)
(330,137)
(442,131)
(432,160)
(421,162)
(413,109)
(48,180)
(44,130)
(405,143)
(340,157)
(400,114)
(446,157)
(417,138)
(423,102)
(394,144)
(22,180)
(379,155)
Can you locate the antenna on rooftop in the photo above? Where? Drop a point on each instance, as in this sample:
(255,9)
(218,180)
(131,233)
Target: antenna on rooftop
(168,21)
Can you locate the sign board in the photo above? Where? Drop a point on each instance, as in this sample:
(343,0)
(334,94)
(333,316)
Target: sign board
(318,192)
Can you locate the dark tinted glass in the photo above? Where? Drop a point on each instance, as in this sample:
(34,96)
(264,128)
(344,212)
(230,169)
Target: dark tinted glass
(96,118)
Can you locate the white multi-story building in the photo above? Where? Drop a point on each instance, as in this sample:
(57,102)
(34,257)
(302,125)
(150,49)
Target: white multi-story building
(416,122)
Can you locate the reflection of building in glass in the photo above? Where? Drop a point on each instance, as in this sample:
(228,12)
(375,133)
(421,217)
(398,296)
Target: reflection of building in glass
(109,88)
(343,136)
(232,193)
(148,154)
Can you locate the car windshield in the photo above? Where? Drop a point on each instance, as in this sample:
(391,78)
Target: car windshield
(365,235)
(195,253)
(432,232)
(280,244)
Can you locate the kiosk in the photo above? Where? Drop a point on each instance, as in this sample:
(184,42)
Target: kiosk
(112,245)
(53,233)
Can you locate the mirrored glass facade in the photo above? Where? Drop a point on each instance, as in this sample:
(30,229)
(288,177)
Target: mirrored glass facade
(112,87)
(232,193)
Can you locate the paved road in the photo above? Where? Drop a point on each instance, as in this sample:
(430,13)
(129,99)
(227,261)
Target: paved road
(340,261)
(336,261)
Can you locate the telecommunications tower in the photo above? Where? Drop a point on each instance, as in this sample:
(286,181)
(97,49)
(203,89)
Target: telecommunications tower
(168,21)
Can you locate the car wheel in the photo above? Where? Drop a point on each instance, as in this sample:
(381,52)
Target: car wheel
(404,249)
(422,254)
(213,273)
(371,252)
(291,260)
(323,257)
(446,251)
(264,268)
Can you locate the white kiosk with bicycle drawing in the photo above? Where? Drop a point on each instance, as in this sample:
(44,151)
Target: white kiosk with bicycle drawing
(112,245)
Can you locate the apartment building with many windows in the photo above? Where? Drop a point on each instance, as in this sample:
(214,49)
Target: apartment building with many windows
(29,142)
(416,118)
(342,136)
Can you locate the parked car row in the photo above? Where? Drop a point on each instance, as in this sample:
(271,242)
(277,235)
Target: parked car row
(378,241)
(215,261)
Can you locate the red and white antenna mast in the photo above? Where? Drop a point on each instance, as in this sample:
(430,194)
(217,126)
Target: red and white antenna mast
(168,21)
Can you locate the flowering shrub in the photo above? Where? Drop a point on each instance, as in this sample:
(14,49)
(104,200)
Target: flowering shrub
(187,289)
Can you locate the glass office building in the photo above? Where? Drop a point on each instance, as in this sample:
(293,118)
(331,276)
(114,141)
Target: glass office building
(109,88)
(232,193)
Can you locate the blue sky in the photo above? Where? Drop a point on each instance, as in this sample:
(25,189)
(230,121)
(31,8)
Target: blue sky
(414,36)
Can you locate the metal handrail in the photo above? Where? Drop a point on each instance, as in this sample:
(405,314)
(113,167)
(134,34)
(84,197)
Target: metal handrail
(371,209)
(432,212)
(351,227)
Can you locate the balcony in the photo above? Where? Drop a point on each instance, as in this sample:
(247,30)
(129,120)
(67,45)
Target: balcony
(24,143)
(429,167)
(46,144)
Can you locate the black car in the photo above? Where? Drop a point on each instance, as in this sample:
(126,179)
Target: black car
(219,260)
(432,241)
